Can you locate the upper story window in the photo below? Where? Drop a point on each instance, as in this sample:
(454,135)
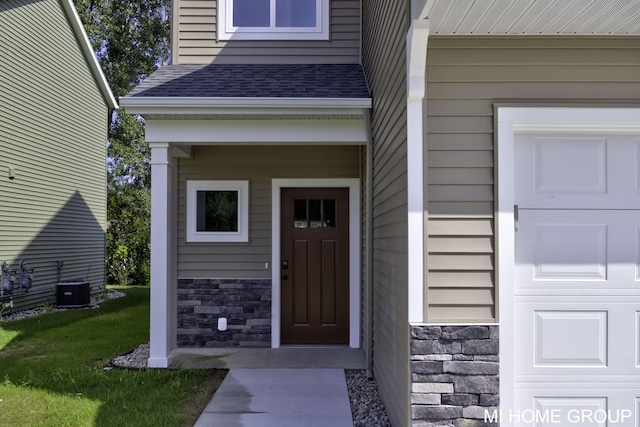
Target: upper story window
(273,19)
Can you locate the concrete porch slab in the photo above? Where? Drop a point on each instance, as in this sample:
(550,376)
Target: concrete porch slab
(280,398)
(269,358)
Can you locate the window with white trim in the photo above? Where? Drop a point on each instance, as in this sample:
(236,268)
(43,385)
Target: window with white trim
(217,211)
(273,19)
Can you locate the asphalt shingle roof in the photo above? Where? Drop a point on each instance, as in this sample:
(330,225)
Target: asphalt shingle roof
(255,80)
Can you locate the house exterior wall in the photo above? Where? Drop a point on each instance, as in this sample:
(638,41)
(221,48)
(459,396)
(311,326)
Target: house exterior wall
(195,39)
(466,77)
(52,114)
(258,165)
(385,26)
(230,279)
(454,368)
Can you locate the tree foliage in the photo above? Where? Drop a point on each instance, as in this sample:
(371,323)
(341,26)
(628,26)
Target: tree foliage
(131,40)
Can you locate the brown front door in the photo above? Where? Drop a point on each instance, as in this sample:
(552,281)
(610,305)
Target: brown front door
(314,266)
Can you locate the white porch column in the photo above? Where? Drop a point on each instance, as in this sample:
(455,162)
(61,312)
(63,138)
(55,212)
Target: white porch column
(161,259)
(417,39)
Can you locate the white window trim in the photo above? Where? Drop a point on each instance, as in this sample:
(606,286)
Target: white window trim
(226,30)
(242,235)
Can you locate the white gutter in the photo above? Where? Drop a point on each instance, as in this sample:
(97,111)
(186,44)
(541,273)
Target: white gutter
(241,102)
(85,44)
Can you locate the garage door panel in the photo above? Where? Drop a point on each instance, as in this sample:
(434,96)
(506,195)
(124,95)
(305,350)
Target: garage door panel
(575,404)
(555,410)
(560,338)
(586,172)
(577,249)
(636,337)
(570,338)
(570,251)
(636,265)
(551,157)
(636,145)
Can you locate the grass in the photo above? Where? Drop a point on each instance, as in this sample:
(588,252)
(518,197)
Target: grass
(52,371)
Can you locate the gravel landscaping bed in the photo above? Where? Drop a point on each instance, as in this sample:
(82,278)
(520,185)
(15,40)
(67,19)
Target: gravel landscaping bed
(367,408)
(94,303)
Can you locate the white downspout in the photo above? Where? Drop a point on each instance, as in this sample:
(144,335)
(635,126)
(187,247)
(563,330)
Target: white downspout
(417,39)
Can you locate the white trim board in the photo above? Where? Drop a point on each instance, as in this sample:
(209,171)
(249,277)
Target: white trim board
(417,40)
(87,50)
(277,132)
(353,184)
(158,104)
(510,121)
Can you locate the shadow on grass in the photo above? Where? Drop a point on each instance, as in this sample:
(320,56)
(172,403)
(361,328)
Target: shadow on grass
(52,370)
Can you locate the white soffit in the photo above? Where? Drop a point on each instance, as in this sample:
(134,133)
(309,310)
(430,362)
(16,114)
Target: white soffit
(533,17)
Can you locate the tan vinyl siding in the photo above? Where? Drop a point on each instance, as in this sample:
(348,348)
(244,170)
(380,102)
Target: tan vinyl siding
(384,60)
(259,165)
(195,39)
(466,77)
(53,131)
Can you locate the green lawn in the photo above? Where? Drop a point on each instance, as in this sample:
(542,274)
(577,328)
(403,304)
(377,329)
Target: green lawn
(52,371)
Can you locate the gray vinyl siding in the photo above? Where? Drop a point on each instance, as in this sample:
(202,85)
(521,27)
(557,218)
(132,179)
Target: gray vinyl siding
(365,288)
(385,25)
(466,77)
(259,165)
(195,39)
(53,131)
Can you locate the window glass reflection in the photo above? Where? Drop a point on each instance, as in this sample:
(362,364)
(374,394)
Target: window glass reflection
(251,13)
(329,213)
(299,213)
(295,13)
(217,211)
(314,213)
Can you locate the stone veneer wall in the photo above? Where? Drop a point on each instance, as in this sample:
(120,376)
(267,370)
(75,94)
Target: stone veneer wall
(246,303)
(454,375)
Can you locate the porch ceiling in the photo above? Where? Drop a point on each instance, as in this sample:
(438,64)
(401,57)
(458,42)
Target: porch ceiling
(533,17)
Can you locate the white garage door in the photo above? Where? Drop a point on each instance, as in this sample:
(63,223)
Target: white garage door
(576,290)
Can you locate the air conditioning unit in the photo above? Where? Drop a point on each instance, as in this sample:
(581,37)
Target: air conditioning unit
(73,294)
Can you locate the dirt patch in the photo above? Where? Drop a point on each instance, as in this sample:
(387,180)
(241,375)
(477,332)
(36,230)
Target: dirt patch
(201,398)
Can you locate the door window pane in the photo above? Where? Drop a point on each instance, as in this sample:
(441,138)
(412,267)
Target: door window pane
(329,213)
(251,13)
(217,211)
(295,13)
(299,213)
(315,213)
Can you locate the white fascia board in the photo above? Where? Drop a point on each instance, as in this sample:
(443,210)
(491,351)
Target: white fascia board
(278,132)
(87,49)
(234,105)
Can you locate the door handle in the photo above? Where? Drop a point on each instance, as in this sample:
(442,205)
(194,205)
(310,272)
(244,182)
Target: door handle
(285,277)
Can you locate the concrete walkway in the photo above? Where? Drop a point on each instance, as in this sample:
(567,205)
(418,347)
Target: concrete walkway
(280,398)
